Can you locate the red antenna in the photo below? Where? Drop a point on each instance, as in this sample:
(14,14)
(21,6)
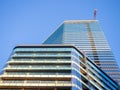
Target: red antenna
(95,13)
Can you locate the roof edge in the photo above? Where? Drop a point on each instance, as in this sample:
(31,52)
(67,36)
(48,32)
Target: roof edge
(78,21)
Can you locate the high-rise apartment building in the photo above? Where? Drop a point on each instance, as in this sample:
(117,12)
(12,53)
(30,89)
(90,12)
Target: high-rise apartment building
(87,36)
(53,67)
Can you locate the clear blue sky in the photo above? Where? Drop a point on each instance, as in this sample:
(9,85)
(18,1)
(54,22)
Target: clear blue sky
(32,21)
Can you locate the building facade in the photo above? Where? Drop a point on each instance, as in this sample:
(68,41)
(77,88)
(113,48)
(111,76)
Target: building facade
(53,67)
(87,36)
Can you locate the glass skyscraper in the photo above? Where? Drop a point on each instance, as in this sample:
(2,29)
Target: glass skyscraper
(75,57)
(53,67)
(87,36)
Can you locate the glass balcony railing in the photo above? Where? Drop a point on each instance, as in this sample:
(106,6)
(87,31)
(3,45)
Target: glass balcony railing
(40,61)
(36,83)
(42,49)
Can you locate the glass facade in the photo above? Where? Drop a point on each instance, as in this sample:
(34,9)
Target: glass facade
(88,37)
(75,57)
(53,67)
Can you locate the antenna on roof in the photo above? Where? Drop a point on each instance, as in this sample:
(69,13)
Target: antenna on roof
(95,13)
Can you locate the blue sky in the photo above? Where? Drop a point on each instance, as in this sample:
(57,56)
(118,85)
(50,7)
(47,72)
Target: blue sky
(32,21)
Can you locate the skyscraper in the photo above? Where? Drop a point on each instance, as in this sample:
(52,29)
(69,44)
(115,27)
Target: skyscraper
(53,67)
(87,36)
(59,63)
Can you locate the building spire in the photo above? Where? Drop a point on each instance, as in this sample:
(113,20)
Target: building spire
(95,13)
